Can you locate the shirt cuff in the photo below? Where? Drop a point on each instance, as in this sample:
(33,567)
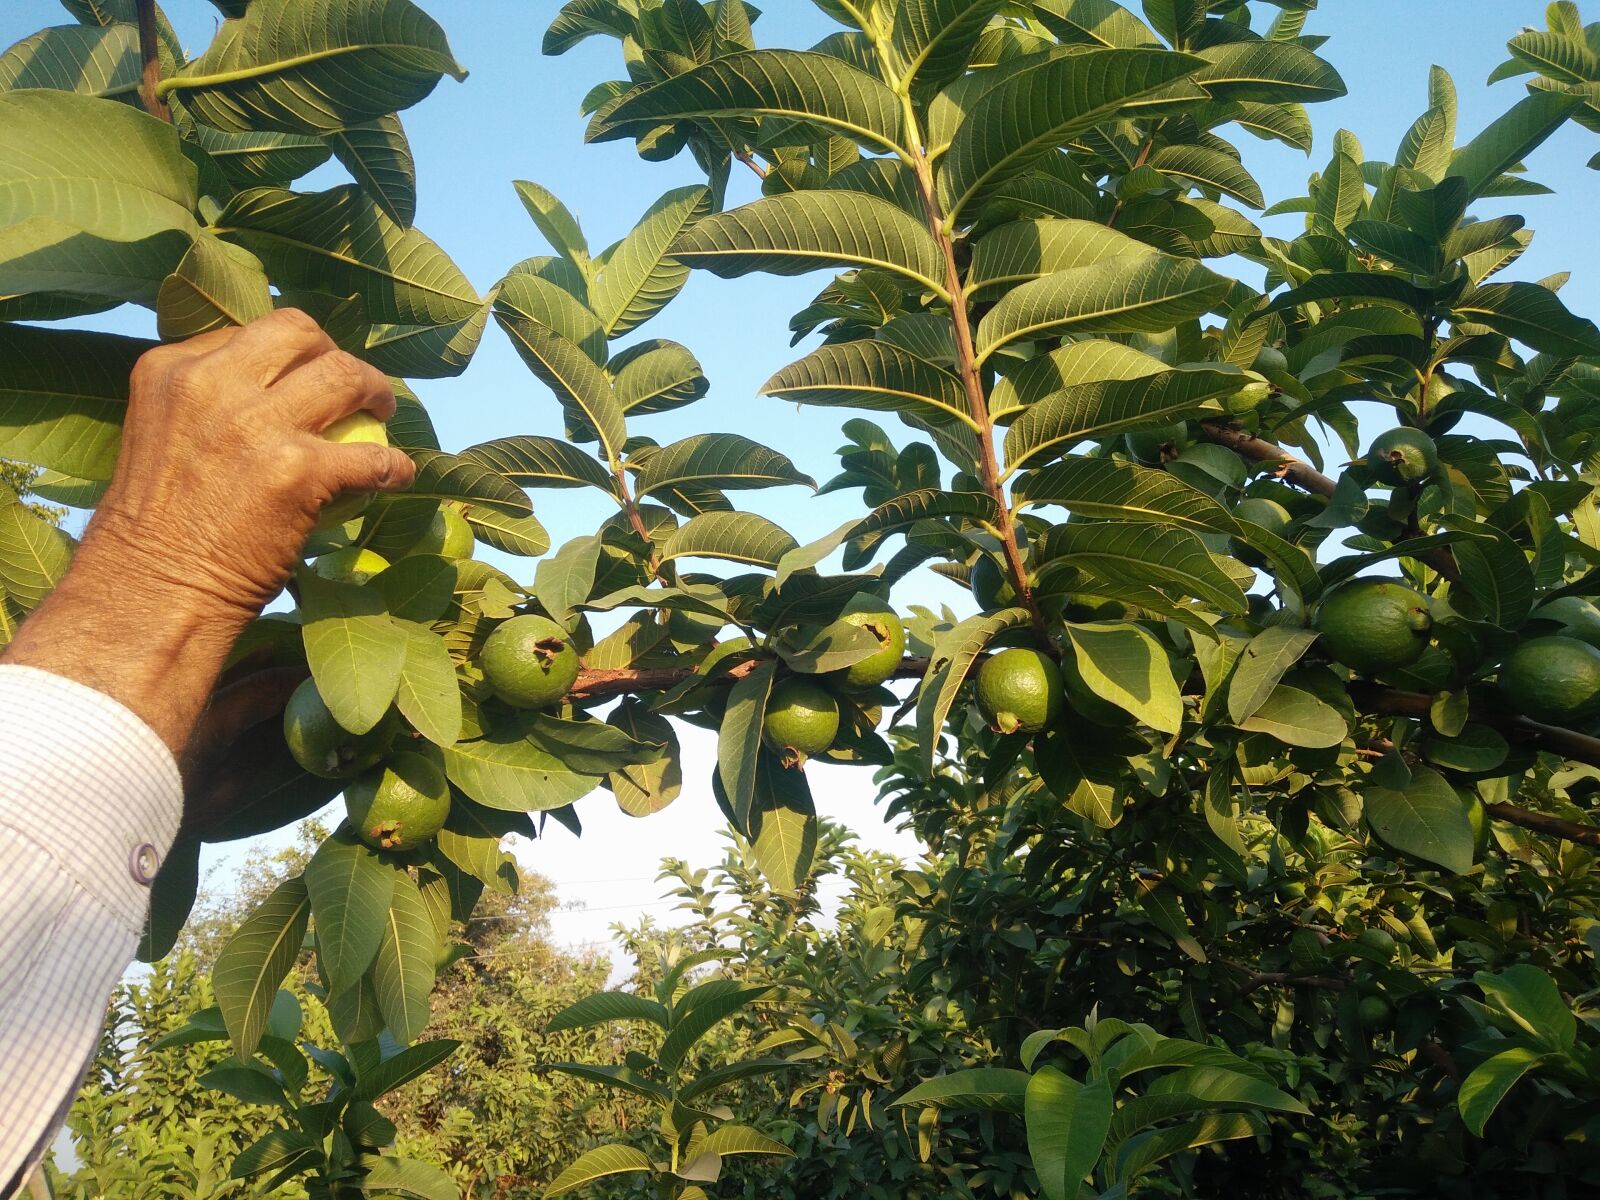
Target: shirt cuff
(90,783)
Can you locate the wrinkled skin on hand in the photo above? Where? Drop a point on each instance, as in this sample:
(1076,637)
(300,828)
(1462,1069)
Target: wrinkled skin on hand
(220,479)
(222,472)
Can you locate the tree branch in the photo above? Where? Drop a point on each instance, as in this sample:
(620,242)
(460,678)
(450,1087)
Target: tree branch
(150,55)
(744,155)
(1570,744)
(1284,465)
(602,684)
(1537,822)
(971,381)
(1306,477)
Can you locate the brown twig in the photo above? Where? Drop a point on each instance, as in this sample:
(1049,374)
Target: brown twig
(1303,475)
(150,55)
(1266,978)
(1537,822)
(1257,979)
(1570,744)
(602,684)
(748,159)
(1284,465)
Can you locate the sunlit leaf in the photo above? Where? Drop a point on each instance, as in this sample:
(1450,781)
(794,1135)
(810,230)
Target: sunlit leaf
(315,66)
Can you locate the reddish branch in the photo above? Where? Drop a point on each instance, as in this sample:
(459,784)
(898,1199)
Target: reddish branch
(748,159)
(1258,450)
(150,54)
(1306,477)
(600,685)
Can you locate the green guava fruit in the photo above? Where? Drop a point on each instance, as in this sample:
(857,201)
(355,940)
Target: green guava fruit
(887,628)
(1374,625)
(1020,690)
(357,427)
(1553,679)
(1249,397)
(1271,516)
(530,662)
(324,747)
(1375,1012)
(449,535)
(802,719)
(1157,444)
(1403,456)
(991,585)
(1085,701)
(401,806)
(350,565)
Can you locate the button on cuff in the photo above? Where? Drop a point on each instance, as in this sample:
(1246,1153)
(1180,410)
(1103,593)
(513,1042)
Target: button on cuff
(144,862)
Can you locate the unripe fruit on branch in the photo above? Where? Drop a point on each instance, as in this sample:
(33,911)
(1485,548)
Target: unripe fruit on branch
(1404,456)
(401,807)
(1249,397)
(449,535)
(802,719)
(991,586)
(324,747)
(890,633)
(1553,679)
(1374,625)
(1020,690)
(530,662)
(1156,445)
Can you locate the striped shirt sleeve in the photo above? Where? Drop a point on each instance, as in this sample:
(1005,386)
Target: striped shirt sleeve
(90,800)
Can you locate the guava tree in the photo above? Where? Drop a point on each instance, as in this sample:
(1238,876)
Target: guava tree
(1193,646)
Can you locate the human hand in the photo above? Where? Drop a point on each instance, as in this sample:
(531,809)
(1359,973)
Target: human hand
(222,473)
(220,480)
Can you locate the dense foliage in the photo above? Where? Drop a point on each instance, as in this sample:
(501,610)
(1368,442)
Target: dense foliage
(1256,796)
(151,1122)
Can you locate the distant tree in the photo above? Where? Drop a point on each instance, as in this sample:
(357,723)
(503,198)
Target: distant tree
(145,1125)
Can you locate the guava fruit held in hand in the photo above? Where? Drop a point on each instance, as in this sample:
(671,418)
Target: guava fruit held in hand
(357,427)
(351,565)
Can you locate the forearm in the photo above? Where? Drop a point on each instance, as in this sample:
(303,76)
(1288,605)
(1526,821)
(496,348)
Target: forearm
(119,624)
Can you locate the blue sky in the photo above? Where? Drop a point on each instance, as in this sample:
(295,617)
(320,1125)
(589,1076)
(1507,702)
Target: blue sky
(516,117)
